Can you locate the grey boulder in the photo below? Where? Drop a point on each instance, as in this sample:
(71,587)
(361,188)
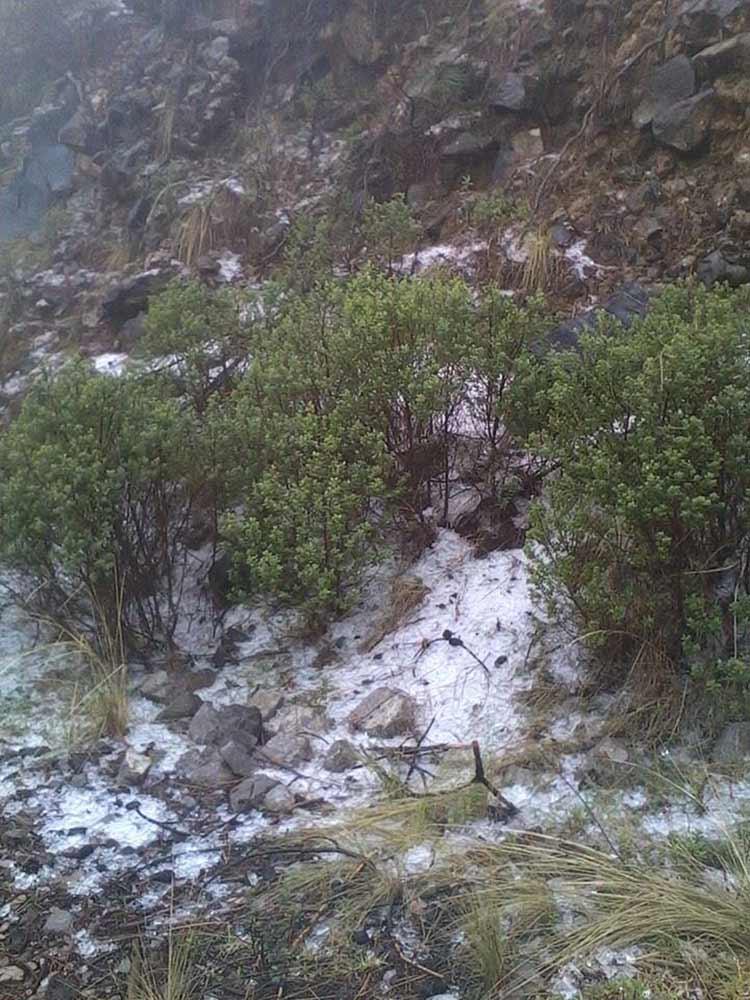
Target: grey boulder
(385,712)
(249,794)
(242,723)
(341,756)
(669,83)
(685,126)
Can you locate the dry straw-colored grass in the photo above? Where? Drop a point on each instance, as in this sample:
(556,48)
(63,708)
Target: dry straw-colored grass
(406,595)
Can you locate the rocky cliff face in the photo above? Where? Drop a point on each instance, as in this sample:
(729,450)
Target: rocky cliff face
(610,139)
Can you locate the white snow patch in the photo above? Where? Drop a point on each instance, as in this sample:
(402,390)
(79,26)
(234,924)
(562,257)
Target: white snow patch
(444,254)
(583,266)
(109,363)
(88,946)
(229,266)
(102,812)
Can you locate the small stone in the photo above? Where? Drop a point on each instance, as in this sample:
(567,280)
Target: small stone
(286,749)
(79,853)
(237,759)
(59,921)
(385,712)
(134,768)
(204,768)
(341,756)
(685,126)
(12,974)
(669,83)
(278,800)
(184,705)
(156,686)
(250,793)
(268,702)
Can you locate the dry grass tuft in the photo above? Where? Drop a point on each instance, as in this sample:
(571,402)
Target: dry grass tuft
(180,979)
(540,271)
(407,594)
(198,233)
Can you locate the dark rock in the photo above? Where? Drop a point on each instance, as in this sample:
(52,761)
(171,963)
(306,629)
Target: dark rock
(183,705)
(385,712)
(46,174)
(469,144)
(733,745)
(249,794)
(79,853)
(625,305)
(78,134)
(278,800)
(284,749)
(509,93)
(730,56)
(242,723)
(139,212)
(669,83)
(716,268)
(685,125)
(205,768)
(341,756)
(130,297)
(238,759)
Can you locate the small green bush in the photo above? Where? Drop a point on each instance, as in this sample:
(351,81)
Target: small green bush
(308,527)
(95,495)
(648,428)
(200,334)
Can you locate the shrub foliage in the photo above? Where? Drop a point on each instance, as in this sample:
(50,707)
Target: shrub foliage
(647,513)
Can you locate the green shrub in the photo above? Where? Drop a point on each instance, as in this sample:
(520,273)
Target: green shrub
(95,495)
(649,430)
(201,336)
(308,528)
(389,230)
(353,404)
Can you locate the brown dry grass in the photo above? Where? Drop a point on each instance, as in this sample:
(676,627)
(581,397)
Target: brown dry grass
(406,595)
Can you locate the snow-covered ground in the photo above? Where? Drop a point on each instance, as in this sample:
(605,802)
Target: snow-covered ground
(90,828)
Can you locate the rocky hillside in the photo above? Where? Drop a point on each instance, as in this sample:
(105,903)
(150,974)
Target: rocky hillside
(442,788)
(610,139)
